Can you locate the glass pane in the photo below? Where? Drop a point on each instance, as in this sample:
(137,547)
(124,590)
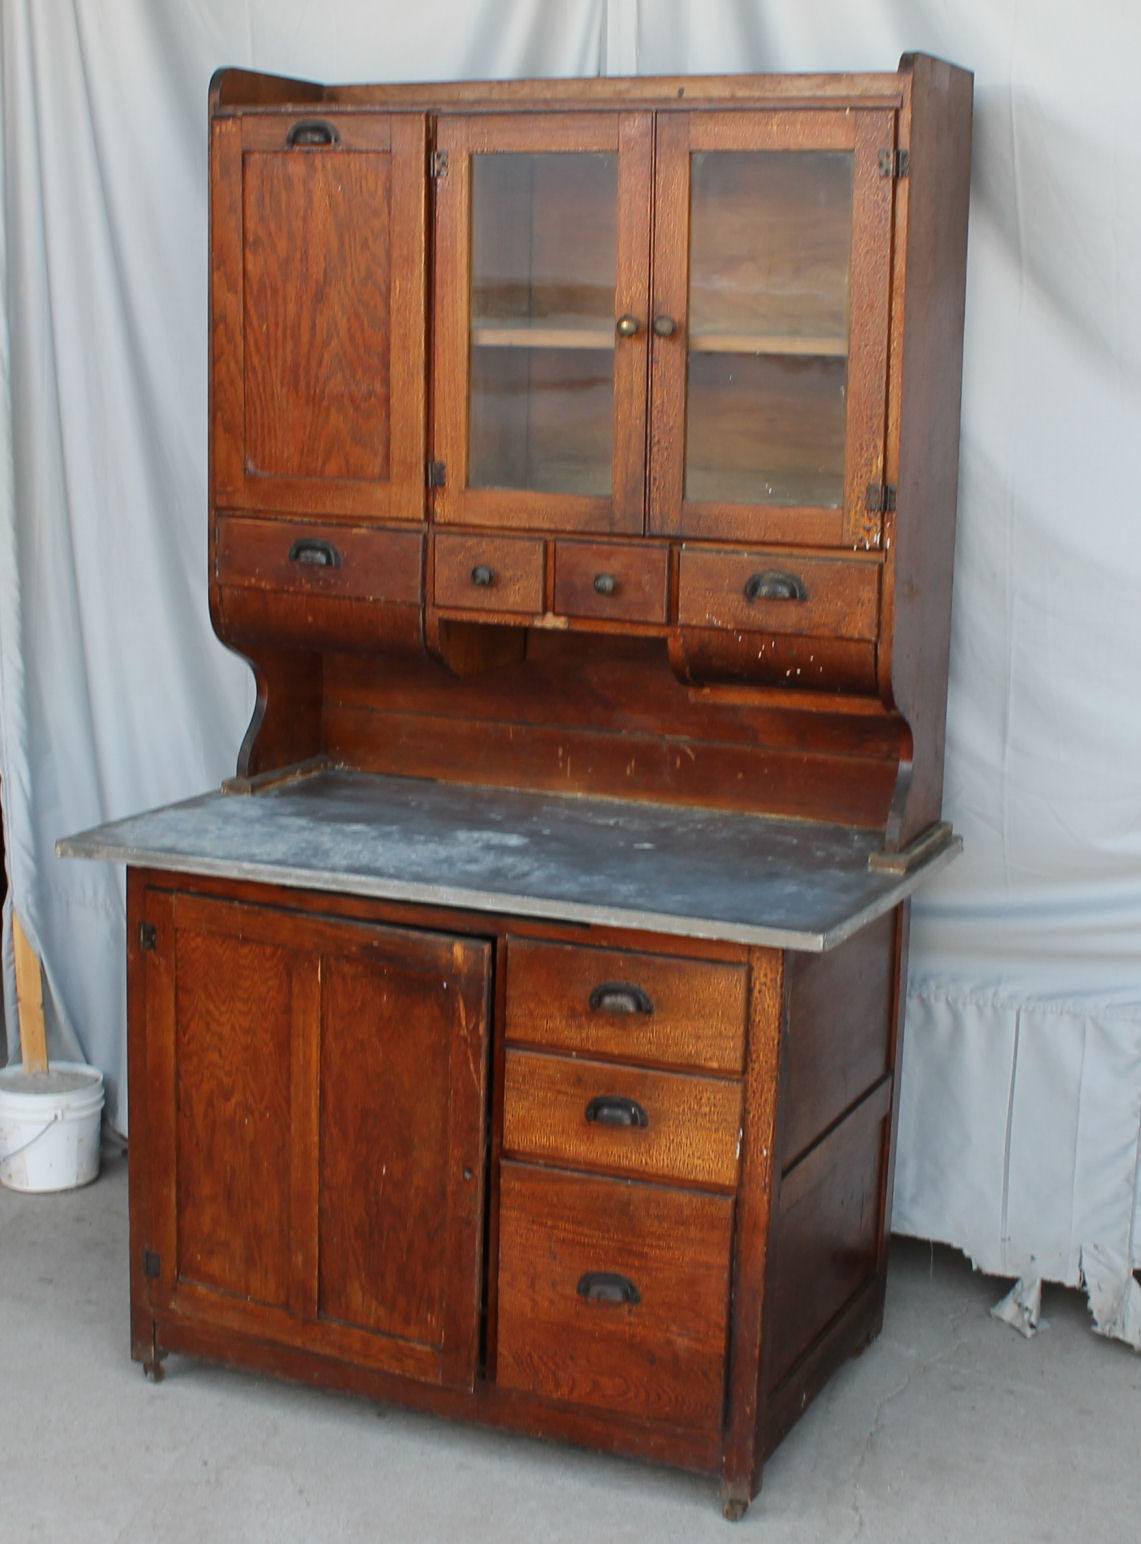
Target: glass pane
(544,256)
(770,252)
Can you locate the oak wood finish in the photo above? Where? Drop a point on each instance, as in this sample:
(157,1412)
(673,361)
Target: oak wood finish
(646,494)
(578,1000)
(661,1355)
(624,1120)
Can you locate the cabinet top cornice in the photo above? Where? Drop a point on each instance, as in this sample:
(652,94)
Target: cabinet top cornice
(242,90)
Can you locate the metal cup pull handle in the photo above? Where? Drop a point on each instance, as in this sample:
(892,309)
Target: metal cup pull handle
(775,584)
(616,1110)
(620,997)
(315,553)
(312,131)
(608,1287)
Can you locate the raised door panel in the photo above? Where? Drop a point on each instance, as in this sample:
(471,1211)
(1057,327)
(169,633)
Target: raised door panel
(402,1075)
(318,285)
(541,284)
(772,272)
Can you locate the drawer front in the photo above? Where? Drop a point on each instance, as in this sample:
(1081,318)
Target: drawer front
(595,1115)
(356,562)
(614,1294)
(778,592)
(611,581)
(636,1007)
(489,573)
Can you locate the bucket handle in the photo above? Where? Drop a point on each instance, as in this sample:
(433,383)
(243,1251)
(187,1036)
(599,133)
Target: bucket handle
(16,1151)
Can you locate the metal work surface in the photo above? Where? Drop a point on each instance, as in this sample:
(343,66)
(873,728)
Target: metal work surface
(697,873)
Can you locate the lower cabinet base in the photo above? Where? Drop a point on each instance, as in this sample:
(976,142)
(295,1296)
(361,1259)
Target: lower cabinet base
(590,1185)
(489,1404)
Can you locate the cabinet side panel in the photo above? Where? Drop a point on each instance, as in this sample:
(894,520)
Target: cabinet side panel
(840,1033)
(827,1233)
(927,360)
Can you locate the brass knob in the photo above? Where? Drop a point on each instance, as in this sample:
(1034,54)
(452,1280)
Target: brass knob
(664,326)
(482,576)
(605,584)
(628,326)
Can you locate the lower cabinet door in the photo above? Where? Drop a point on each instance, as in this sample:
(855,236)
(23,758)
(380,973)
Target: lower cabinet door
(614,1294)
(315,1130)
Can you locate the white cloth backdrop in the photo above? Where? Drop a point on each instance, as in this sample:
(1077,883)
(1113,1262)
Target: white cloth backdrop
(1021,1108)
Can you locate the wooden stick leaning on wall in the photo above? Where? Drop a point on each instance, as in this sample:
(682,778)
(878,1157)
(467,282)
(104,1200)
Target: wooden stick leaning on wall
(30,998)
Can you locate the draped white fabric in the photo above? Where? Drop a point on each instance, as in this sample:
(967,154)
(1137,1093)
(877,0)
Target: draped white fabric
(1020,1130)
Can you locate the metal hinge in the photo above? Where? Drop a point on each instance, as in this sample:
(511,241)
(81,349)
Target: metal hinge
(880,498)
(437,473)
(148,935)
(894,163)
(152,1265)
(438,164)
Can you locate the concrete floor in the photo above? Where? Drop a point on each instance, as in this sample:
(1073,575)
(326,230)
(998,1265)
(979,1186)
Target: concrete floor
(952,1427)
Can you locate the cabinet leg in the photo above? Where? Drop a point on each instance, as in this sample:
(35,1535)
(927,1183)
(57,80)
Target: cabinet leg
(153,1370)
(734,1502)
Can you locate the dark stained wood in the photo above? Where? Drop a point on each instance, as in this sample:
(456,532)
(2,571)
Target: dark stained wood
(923,443)
(707,655)
(366,563)
(840,1037)
(689,1135)
(232,1064)
(825,1237)
(285,727)
(662,1356)
(741,1453)
(401,1019)
(318,295)
(361,1154)
(511,569)
(692,1015)
(618,582)
(840,599)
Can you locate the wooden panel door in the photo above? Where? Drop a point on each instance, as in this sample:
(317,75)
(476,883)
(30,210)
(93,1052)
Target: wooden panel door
(316,1131)
(772,272)
(541,284)
(318,282)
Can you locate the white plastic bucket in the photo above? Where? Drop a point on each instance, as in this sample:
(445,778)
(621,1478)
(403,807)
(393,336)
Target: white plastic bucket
(49,1126)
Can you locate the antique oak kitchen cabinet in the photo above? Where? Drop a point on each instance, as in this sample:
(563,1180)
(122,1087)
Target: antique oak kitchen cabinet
(515,1036)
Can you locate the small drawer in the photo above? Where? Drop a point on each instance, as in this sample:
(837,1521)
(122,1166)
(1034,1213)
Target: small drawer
(595,1115)
(598,1304)
(778,592)
(635,1007)
(355,562)
(615,581)
(489,573)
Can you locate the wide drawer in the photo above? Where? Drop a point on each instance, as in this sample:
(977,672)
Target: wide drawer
(632,1006)
(612,581)
(778,592)
(358,562)
(614,1294)
(596,1115)
(489,573)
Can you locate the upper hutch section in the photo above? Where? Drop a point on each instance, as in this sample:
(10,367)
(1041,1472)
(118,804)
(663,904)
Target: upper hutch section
(657,378)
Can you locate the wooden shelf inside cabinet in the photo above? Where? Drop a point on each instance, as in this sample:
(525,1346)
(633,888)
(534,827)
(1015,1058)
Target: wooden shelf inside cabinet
(539,335)
(767,343)
(583,463)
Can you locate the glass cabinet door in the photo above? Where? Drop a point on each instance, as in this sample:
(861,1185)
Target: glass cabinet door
(542,269)
(770,325)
